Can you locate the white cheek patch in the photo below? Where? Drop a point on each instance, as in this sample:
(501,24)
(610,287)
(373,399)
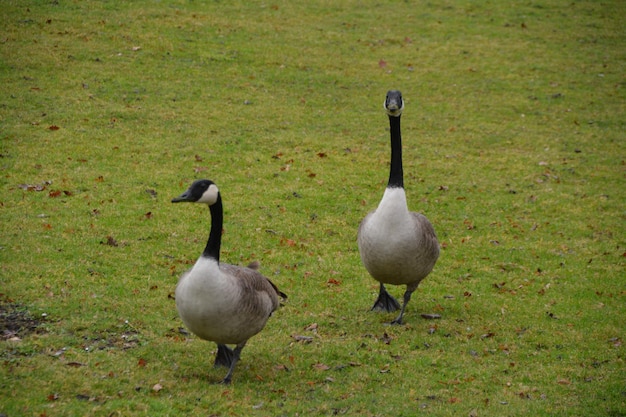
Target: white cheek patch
(210,195)
(396,112)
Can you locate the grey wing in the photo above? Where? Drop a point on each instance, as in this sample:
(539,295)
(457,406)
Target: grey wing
(254,283)
(426,234)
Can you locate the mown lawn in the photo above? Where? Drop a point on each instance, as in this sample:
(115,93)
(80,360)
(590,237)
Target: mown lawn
(514,148)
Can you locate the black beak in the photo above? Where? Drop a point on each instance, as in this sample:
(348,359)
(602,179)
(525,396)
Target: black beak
(182,198)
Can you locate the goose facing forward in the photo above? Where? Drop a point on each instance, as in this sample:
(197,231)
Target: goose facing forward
(223,303)
(397,246)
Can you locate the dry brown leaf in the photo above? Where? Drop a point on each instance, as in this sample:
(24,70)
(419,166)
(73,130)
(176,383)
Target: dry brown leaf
(321,366)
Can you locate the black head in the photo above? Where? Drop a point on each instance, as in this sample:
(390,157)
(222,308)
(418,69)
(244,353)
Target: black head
(394,104)
(201,191)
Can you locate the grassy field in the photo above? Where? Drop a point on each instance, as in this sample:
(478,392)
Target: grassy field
(514,147)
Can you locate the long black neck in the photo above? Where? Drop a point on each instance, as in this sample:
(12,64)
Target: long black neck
(212,248)
(396,177)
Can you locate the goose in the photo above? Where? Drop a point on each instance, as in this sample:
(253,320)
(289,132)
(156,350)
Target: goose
(219,302)
(397,246)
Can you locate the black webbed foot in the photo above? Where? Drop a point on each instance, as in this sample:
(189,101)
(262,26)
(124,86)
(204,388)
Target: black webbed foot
(385,302)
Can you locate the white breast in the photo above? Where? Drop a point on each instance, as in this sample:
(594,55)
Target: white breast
(210,304)
(389,243)
(391,222)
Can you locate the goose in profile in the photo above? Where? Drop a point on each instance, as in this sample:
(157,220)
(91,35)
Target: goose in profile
(222,303)
(397,246)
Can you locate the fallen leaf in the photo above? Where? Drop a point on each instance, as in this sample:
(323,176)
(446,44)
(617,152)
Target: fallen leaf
(141,363)
(75,364)
(333,281)
(321,366)
(157,387)
(54,127)
(303,339)
(35,187)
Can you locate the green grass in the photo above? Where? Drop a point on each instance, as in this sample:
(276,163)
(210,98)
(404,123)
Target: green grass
(513,147)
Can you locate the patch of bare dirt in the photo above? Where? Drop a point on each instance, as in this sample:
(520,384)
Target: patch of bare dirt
(16,321)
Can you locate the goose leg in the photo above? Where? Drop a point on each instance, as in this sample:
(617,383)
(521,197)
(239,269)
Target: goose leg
(385,302)
(407,298)
(235,359)
(224,357)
